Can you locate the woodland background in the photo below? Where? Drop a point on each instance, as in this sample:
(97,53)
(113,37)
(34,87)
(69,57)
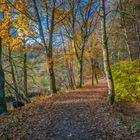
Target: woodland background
(54,46)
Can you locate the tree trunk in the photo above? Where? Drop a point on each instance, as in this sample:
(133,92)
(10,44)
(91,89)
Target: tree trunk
(127,45)
(92,68)
(48,48)
(52,80)
(125,30)
(135,26)
(93,75)
(2,83)
(107,67)
(51,73)
(25,74)
(50,54)
(73,76)
(136,31)
(13,74)
(81,65)
(80,72)
(69,68)
(96,77)
(68,74)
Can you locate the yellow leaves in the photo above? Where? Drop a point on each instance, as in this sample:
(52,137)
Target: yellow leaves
(60,14)
(11,22)
(31,35)
(4,33)
(19,5)
(21,32)
(5,24)
(3,6)
(88,52)
(8,14)
(21,23)
(46,2)
(14,44)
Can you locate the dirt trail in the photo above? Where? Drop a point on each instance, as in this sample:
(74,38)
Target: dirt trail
(82,114)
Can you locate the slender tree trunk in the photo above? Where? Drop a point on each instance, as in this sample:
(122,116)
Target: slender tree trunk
(51,74)
(13,74)
(2,83)
(94,73)
(96,77)
(69,77)
(73,76)
(127,45)
(92,69)
(48,48)
(135,26)
(136,31)
(107,67)
(25,74)
(69,68)
(125,30)
(80,72)
(69,71)
(83,81)
(52,80)
(81,66)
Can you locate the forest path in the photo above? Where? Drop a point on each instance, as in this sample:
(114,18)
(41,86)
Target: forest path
(82,114)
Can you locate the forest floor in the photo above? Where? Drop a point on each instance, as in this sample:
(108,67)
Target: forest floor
(82,114)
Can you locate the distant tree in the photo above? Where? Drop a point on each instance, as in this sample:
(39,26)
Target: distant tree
(79,25)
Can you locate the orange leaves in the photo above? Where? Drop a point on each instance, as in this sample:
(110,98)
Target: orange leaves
(5,23)
(3,6)
(14,44)
(4,34)
(15,26)
(25,50)
(46,2)
(60,14)
(4,28)
(19,5)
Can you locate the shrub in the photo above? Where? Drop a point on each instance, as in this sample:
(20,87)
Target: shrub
(127,80)
(136,127)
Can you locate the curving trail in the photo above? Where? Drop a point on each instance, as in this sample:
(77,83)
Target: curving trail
(82,114)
